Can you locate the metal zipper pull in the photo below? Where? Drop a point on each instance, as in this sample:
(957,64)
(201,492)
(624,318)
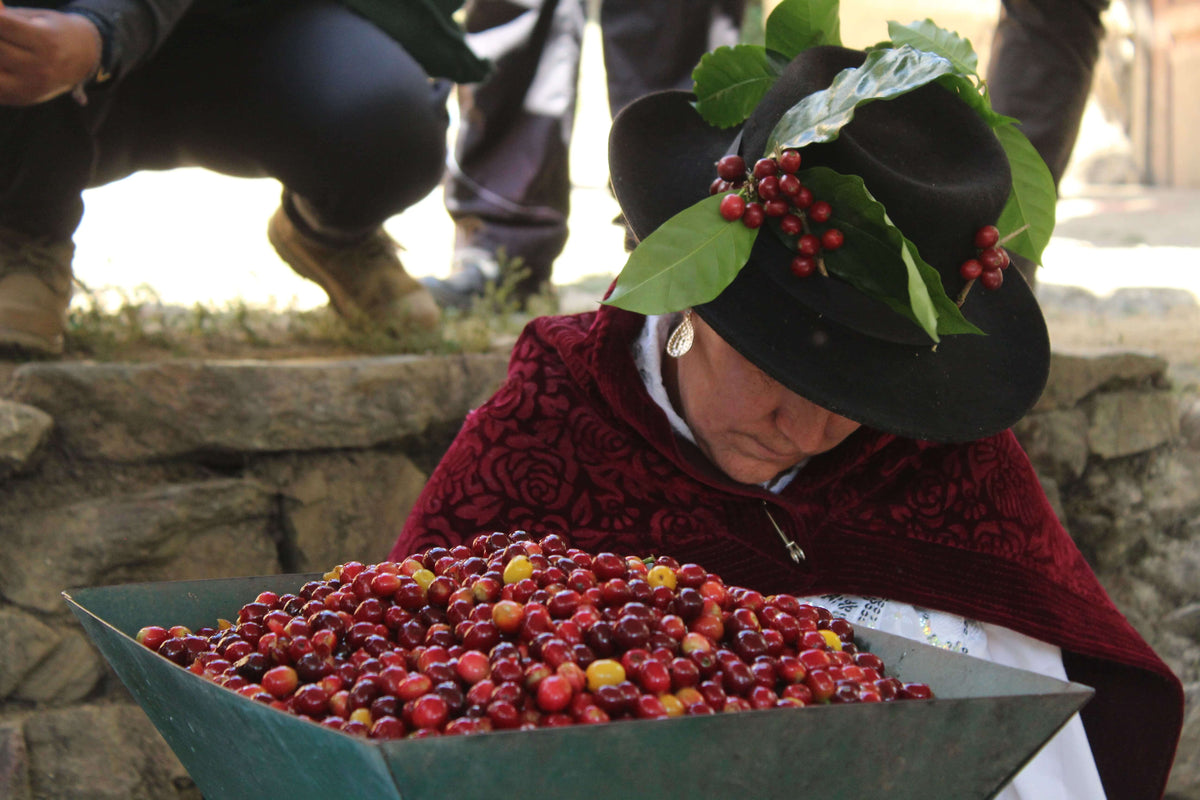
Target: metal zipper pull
(793,549)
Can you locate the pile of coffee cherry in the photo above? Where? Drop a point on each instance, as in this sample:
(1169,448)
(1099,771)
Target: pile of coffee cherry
(514,632)
(772,190)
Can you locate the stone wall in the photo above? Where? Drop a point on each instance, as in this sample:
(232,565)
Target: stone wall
(113,473)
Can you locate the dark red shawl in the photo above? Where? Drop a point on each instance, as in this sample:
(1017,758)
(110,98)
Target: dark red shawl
(571,443)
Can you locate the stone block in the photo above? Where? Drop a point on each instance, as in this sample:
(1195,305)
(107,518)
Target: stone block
(23,429)
(1074,377)
(1128,422)
(24,641)
(67,674)
(342,506)
(129,412)
(102,752)
(208,529)
(1056,442)
(14,762)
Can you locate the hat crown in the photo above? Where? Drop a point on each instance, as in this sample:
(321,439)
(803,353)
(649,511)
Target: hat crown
(933,163)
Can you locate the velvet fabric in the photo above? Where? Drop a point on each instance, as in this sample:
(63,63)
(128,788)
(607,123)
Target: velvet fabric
(572,444)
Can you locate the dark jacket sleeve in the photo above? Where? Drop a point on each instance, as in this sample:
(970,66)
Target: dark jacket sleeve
(132,30)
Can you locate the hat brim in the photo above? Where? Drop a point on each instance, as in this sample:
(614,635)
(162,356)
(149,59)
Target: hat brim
(661,159)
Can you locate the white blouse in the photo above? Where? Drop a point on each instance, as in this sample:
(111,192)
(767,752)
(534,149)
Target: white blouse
(1064,768)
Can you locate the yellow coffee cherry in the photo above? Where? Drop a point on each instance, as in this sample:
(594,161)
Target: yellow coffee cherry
(518,569)
(661,575)
(672,704)
(604,672)
(423,577)
(362,715)
(831,639)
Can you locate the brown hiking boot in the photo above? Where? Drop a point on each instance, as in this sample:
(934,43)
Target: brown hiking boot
(35,290)
(365,279)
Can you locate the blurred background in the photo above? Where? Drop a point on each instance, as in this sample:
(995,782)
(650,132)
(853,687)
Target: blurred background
(1128,216)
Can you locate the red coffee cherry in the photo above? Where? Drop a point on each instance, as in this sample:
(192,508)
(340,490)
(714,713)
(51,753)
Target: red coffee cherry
(733,206)
(731,168)
(832,239)
(994,258)
(809,245)
(803,266)
(820,211)
(765,167)
(991,279)
(754,215)
(775,208)
(986,237)
(791,224)
(789,161)
(768,188)
(970,269)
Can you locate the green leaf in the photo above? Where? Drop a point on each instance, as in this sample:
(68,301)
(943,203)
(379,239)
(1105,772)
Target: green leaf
(969,93)
(689,260)
(729,82)
(796,25)
(883,75)
(929,37)
(1033,199)
(878,260)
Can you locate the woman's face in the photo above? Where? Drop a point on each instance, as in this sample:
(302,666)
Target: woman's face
(745,422)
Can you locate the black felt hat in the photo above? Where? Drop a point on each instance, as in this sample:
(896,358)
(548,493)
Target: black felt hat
(940,173)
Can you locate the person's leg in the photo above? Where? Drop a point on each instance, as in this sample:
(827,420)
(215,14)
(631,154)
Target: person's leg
(318,98)
(1040,72)
(508,187)
(650,47)
(653,46)
(46,159)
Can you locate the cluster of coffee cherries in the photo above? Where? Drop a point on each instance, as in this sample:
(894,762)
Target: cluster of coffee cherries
(989,263)
(772,190)
(514,632)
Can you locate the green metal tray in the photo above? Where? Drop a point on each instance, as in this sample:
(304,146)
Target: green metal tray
(985,723)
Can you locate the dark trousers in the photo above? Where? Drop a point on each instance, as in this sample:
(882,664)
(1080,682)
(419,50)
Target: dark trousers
(508,185)
(307,93)
(1040,71)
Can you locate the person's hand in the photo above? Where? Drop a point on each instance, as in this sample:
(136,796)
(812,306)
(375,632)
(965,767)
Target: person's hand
(44,54)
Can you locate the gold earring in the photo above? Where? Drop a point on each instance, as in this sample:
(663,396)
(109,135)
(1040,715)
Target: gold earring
(682,337)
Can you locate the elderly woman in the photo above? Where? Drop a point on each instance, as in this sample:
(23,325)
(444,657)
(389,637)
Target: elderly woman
(801,426)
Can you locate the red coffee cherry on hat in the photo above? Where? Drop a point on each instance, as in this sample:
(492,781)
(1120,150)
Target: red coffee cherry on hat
(994,258)
(731,168)
(820,211)
(992,279)
(789,185)
(791,224)
(765,167)
(832,239)
(809,245)
(733,206)
(970,269)
(803,266)
(768,188)
(775,208)
(719,185)
(789,161)
(754,215)
(987,236)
